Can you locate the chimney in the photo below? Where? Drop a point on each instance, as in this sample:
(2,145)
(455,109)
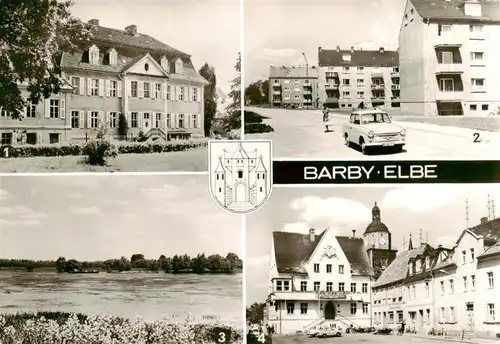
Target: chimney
(440,246)
(484,220)
(472,8)
(352,49)
(94,22)
(353,233)
(381,50)
(338,48)
(312,235)
(319,49)
(131,29)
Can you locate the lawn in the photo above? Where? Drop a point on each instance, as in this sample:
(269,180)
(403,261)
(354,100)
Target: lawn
(476,123)
(192,160)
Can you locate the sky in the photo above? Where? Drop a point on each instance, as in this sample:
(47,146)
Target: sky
(278,32)
(439,210)
(207,30)
(109,216)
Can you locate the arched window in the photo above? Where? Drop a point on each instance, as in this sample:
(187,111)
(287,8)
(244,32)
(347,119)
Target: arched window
(240,174)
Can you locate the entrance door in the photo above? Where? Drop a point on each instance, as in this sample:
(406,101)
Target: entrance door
(470,316)
(158,120)
(330,310)
(240,192)
(147,121)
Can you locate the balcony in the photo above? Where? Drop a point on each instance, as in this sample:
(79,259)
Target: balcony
(276,91)
(377,75)
(332,100)
(320,295)
(395,87)
(332,75)
(378,98)
(276,85)
(332,87)
(378,86)
(449,95)
(307,85)
(449,68)
(394,74)
(395,99)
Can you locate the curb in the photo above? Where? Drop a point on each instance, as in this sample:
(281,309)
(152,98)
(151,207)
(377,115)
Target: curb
(452,340)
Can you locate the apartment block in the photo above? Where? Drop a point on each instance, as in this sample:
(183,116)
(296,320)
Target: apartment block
(347,78)
(119,73)
(293,87)
(448,57)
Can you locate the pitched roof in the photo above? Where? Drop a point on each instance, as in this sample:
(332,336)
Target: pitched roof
(490,230)
(365,58)
(293,249)
(453,10)
(293,72)
(396,271)
(490,251)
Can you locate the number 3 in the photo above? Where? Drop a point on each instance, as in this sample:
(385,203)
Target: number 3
(262,338)
(6,152)
(222,337)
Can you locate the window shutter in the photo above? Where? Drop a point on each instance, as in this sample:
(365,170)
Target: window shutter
(140,120)
(63,108)
(24,110)
(198,97)
(101,88)
(173,94)
(129,89)
(119,89)
(46,104)
(14,138)
(81,90)
(107,118)
(81,119)
(88,120)
(101,118)
(89,86)
(140,86)
(108,91)
(129,119)
(38,137)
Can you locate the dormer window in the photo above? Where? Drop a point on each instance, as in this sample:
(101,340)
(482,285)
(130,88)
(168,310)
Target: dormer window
(418,265)
(94,55)
(113,57)
(427,263)
(179,66)
(165,64)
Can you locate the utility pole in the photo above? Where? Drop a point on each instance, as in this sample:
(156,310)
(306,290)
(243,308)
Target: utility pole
(467,212)
(307,73)
(492,209)
(489,208)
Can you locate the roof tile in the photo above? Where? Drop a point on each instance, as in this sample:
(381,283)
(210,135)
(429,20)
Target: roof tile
(365,58)
(453,10)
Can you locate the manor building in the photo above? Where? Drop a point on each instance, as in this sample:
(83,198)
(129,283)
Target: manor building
(119,73)
(320,277)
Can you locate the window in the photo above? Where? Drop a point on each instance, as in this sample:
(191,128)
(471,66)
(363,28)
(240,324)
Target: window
(133,89)
(316,286)
(360,82)
(290,307)
(53,138)
(476,28)
(477,85)
(181,94)
(31,110)
(473,282)
(354,308)
(452,314)
(473,107)
(427,290)
(346,94)
(181,120)
(346,82)
(133,119)
(6,138)
(444,30)
(464,257)
(195,121)
(316,267)
(442,287)
(113,85)
(75,119)
(491,312)
(195,94)
(484,107)
(442,315)
(303,308)
(94,119)
(491,282)
(365,308)
(286,285)
(465,283)
(146,89)
(276,81)
(54,108)
(303,286)
(279,285)
(146,119)
(94,87)
(346,69)
(93,55)
(446,85)
(169,92)
(353,287)
(113,119)
(477,57)
(329,286)
(75,82)
(360,69)
(341,286)
(452,286)
(364,288)
(361,95)
(112,57)
(329,268)
(445,57)
(341,269)
(31,138)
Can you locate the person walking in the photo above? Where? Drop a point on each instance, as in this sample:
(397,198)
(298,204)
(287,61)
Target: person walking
(326,118)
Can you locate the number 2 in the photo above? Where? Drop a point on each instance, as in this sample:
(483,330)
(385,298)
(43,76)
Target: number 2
(6,152)
(476,137)
(262,338)
(222,337)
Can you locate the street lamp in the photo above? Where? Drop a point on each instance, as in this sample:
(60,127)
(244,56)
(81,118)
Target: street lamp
(273,294)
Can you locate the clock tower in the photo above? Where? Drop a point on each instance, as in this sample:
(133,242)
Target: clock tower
(377,239)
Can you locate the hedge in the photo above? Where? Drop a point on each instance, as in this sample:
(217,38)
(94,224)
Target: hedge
(257,128)
(78,149)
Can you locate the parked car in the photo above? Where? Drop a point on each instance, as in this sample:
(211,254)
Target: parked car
(373,129)
(312,332)
(333,330)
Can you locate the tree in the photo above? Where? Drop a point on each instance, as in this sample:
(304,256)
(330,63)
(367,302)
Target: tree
(253,93)
(235,93)
(122,126)
(209,96)
(61,264)
(255,313)
(33,35)
(265,91)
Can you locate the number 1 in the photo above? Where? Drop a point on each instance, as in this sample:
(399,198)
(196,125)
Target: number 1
(6,152)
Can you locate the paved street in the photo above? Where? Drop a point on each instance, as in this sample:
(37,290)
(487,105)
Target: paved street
(300,134)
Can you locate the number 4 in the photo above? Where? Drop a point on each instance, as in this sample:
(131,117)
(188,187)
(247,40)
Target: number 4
(262,338)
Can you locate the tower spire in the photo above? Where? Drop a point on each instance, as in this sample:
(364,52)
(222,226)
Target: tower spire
(410,244)
(376,213)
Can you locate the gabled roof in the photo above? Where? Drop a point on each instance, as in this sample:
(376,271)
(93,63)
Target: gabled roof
(260,166)
(444,10)
(490,230)
(365,58)
(292,250)
(293,72)
(490,251)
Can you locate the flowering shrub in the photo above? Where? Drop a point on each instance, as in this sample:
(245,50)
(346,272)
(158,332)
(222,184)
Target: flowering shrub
(64,328)
(98,150)
(123,148)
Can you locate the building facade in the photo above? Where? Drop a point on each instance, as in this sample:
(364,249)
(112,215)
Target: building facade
(119,74)
(447,61)
(317,278)
(293,87)
(451,292)
(347,78)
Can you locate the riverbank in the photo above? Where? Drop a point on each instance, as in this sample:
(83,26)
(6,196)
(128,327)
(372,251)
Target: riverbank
(59,327)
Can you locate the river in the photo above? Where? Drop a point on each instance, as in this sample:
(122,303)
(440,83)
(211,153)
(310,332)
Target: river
(151,296)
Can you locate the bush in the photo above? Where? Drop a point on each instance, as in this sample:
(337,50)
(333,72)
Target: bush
(58,327)
(253,117)
(98,150)
(257,128)
(123,148)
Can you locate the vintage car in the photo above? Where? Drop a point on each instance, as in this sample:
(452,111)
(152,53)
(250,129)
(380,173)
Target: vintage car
(332,330)
(373,129)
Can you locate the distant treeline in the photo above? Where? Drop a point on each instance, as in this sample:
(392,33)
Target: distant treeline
(214,263)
